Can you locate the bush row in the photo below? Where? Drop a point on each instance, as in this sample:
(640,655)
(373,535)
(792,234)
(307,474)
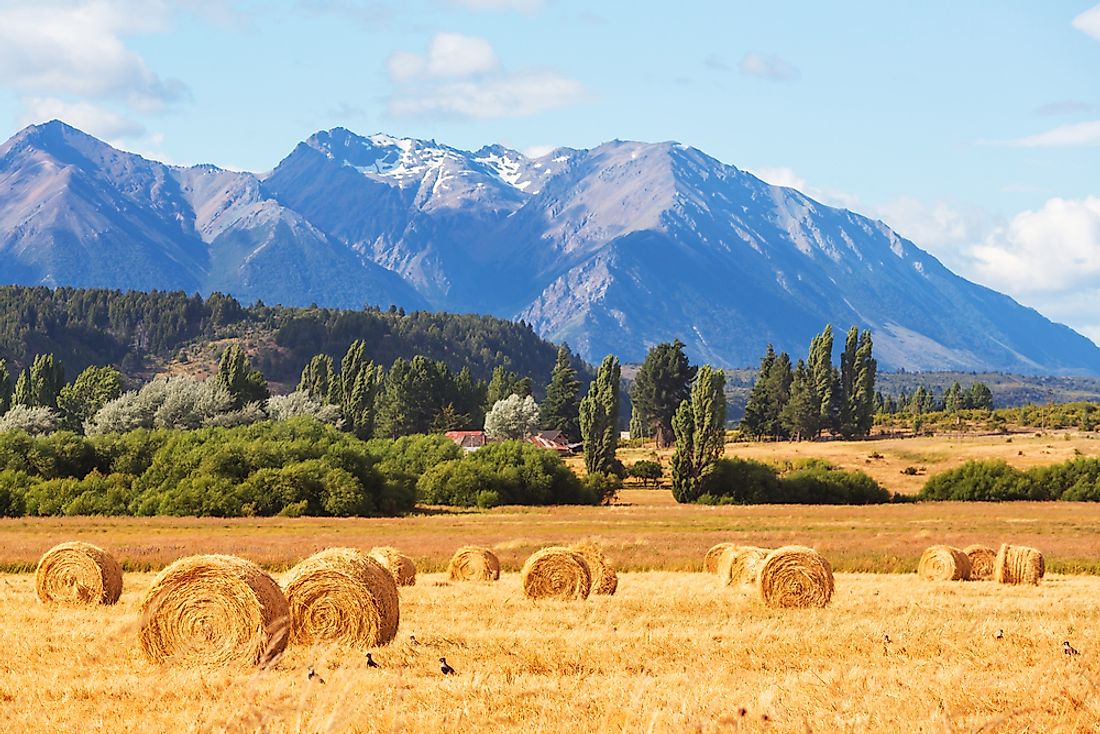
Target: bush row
(1076,480)
(811,482)
(293,467)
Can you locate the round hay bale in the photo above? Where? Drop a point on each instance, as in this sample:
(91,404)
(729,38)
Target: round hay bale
(710,560)
(740,565)
(605,579)
(78,573)
(944,563)
(982,559)
(556,573)
(213,610)
(1018,564)
(397,563)
(342,595)
(473,563)
(795,577)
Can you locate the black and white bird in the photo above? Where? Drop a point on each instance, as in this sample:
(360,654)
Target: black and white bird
(1069,649)
(1000,634)
(370,662)
(412,640)
(445,667)
(313,676)
(886,639)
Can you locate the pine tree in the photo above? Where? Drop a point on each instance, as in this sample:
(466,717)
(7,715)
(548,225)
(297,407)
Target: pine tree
(801,416)
(560,410)
(700,428)
(599,418)
(979,396)
(469,399)
(319,380)
(756,421)
(662,383)
(245,384)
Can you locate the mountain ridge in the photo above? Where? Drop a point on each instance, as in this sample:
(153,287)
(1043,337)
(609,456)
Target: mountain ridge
(611,249)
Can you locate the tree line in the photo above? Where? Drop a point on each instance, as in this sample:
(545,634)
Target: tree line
(814,396)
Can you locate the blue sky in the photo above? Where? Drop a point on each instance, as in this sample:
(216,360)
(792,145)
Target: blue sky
(971,127)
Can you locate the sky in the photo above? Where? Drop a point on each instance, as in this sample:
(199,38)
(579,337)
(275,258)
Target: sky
(972,128)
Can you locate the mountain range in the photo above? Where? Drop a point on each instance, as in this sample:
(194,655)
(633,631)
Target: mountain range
(610,249)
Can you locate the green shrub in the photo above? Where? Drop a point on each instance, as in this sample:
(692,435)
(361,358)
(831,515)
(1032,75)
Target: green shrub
(983,481)
(647,471)
(742,481)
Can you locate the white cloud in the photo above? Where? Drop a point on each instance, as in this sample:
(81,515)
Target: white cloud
(945,229)
(1051,250)
(782,176)
(76,48)
(1089,22)
(524,6)
(518,95)
(451,55)
(1074,134)
(94,120)
(456,55)
(767,66)
(460,76)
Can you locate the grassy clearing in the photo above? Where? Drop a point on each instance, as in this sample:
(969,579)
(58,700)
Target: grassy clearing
(672,652)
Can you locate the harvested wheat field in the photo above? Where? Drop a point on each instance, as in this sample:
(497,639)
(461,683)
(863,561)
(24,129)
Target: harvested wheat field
(670,652)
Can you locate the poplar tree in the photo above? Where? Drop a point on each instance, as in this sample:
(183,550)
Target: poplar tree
(700,427)
(40,384)
(5,387)
(824,379)
(319,380)
(599,418)
(245,384)
(801,416)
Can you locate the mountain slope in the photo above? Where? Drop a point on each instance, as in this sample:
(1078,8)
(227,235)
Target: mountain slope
(75,211)
(612,249)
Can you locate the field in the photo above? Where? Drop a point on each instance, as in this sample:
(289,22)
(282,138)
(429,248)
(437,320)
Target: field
(672,651)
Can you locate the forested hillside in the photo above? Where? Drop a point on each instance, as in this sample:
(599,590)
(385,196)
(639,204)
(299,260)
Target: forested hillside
(142,332)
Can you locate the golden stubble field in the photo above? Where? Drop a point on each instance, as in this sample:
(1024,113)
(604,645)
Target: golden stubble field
(671,652)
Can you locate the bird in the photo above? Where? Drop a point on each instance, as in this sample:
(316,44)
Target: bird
(1069,649)
(448,670)
(1000,634)
(312,675)
(412,640)
(886,639)
(370,662)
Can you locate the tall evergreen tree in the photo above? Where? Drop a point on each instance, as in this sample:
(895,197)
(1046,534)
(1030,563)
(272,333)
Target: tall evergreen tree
(756,420)
(700,428)
(801,416)
(5,387)
(599,418)
(318,380)
(469,399)
(662,383)
(561,408)
(979,396)
(244,383)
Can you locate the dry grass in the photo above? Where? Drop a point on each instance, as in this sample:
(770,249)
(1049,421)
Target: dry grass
(671,652)
(886,459)
(649,532)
